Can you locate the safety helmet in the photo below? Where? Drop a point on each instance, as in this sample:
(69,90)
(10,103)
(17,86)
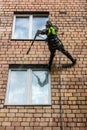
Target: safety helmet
(48,23)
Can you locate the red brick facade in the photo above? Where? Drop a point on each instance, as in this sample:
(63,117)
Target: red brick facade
(71,17)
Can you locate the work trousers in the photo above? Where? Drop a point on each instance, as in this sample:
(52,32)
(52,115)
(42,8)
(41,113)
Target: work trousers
(61,48)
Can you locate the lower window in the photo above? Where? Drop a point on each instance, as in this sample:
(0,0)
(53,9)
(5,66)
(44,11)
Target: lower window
(28,87)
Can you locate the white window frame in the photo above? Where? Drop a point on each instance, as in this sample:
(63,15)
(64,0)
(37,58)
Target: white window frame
(28,88)
(30,16)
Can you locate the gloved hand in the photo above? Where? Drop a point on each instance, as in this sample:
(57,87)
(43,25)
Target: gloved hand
(38,32)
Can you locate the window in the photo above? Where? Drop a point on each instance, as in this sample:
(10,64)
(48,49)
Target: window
(25,26)
(28,87)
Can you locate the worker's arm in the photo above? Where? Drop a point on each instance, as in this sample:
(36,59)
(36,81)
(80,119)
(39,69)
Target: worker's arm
(42,32)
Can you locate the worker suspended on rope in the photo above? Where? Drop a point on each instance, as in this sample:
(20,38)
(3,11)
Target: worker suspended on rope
(54,42)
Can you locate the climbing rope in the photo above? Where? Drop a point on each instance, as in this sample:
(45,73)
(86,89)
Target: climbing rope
(60,97)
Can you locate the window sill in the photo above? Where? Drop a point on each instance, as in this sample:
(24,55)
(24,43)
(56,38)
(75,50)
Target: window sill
(27,104)
(27,39)
(39,66)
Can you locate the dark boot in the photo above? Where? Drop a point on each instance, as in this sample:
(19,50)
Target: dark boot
(66,53)
(70,57)
(74,62)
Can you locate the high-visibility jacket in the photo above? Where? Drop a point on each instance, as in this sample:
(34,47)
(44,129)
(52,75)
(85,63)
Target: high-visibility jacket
(52,39)
(51,31)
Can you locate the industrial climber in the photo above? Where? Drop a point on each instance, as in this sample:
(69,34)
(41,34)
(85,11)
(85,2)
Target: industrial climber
(54,43)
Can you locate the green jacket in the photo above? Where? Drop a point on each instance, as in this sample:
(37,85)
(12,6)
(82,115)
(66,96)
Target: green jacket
(51,31)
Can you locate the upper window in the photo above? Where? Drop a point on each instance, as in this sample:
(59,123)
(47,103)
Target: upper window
(28,87)
(25,26)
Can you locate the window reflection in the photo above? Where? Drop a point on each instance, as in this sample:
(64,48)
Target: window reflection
(25,27)
(40,87)
(28,87)
(17,87)
(21,28)
(38,23)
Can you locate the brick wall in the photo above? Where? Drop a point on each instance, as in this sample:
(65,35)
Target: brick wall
(71,17)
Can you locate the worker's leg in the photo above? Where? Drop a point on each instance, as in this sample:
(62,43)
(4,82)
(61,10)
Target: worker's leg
(52,54)
(66,53)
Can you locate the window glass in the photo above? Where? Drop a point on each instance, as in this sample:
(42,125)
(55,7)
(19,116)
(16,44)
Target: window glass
(21,28)
(39,24)
(17,87)
(40,87)
(28,87)
(25,27)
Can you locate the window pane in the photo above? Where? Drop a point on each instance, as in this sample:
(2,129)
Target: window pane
(21,28)
(38,23)
(40,87)
(17,88)
(28,87)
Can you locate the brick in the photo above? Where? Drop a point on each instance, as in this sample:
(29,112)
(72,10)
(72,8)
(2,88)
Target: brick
(67,128)
(15,123)
(14,110)
(83,128)
(10,114)
(2,128)
(47,128)
(56,128)
(71,115)
(10,128)
(6,123)
(25,124)
(19,128)
(2,114)
(29,128)
(38,128)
